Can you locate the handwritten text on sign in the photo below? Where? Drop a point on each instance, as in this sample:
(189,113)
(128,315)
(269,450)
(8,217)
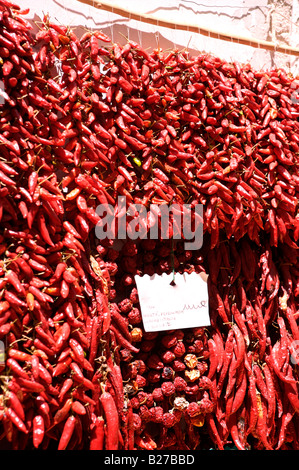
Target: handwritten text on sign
(168,307)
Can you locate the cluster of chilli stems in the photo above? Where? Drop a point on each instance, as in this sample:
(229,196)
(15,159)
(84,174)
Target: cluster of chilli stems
(83,121)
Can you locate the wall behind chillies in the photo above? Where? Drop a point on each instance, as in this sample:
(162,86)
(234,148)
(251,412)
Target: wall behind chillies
(75,300)
(266,20)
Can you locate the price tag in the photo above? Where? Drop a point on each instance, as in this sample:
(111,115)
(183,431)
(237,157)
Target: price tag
(166,305)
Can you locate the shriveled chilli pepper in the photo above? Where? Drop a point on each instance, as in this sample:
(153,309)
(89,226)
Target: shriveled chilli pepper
(45,375)
(14,280)
(69,228)
(16,368)
(122,341)
(273,361)
(78,408)
(232,376)
(233,427)
(62,335)
(94,340)
(103,311)
(121,323)
(67,433)
(214,431)
(213,358)
(112,421)
(239,395)
(5,330)
(38,430)
(228,352)
(77,373)
(41,296)
(18,355)
(115,376)
(285,420)
(4,306)
(261,426)
(78,350)
(291,390)
(7,427)
(271,394)
(97,434)
(46,335)
(16,405)
(64,289)
(16,420)
(37,343)
(13,299)
(62,367)
(253,411)
(66,386)
(4,318)
(60,268)
(240,345)
(63,412)
(79,394)
(69,277)
(35,367)
(69,311)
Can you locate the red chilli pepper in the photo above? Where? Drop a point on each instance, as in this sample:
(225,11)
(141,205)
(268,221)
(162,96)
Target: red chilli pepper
(11,414)
(38,430)
(112,421)
(97,434)
(67,432)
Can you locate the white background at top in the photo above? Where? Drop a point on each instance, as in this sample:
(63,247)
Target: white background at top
(270,20)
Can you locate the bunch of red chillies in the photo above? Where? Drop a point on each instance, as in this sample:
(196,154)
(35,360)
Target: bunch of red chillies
(231,383)
(82,123)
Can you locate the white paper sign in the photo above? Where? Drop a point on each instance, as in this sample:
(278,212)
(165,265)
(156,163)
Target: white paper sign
(169,307)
